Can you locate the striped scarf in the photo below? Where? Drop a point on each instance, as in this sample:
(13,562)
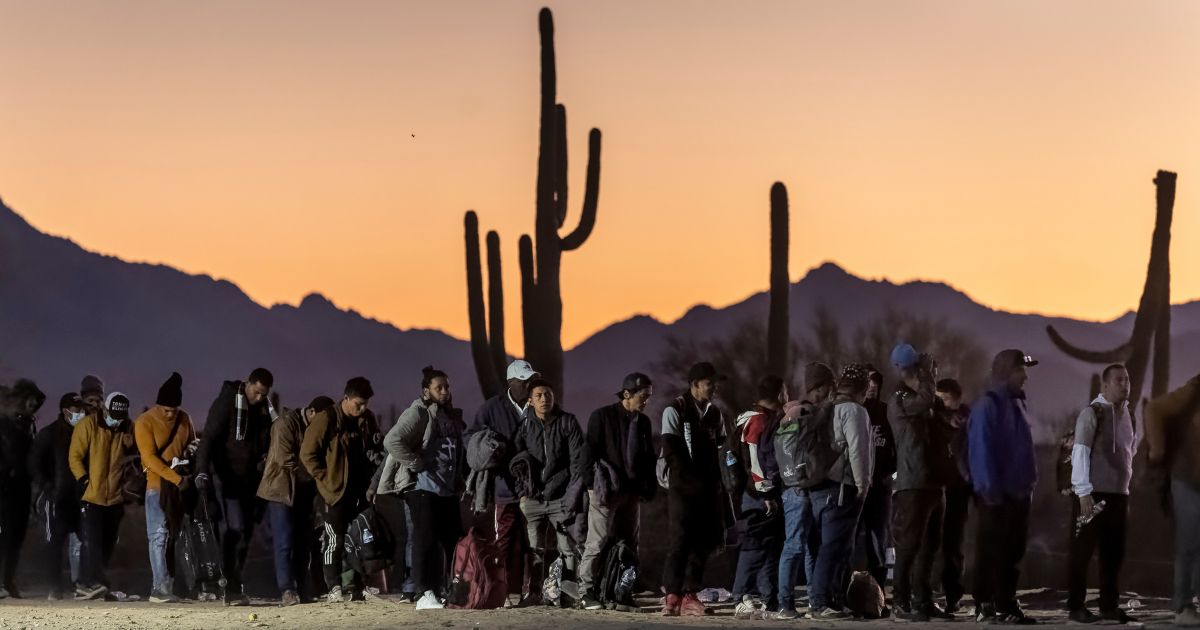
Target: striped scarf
(240,406)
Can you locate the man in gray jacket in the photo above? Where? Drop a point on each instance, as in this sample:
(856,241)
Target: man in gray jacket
(1101,467)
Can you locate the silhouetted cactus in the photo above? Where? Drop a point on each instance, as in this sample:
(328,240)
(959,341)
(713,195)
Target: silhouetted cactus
(1153,320)
(778,339)
(541,288)
(487,342)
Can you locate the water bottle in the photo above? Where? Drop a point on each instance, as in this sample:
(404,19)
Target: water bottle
(1084,519)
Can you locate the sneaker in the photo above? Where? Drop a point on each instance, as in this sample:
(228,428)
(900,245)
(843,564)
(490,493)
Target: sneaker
(691,606)
(786,614)
(671,604)
(121,596)
(589,602)
(952,607)
(529,599)
(827,614)
(3,593)
(1188,617)
(13,591)
(1015,618)
(411,598)
(1082,615)
(205,596)
(236,598)
(54,595)
(161,597)
(290,598)
(984,613)
(908,614)
(86,592)
(1118,616)
(429,601)
(937,612)
(335,596)
(746,609)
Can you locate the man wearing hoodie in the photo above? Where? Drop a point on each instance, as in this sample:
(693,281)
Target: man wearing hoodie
(1101,468)
(952,454)
(337,452)
(425,464)
(919,501)
(1003,474)
(503,413)
(799,554)
(100,447)
(289,491)
(57,494)
(552,443)
(1173,441)
(163,434)
(693,428)
(758,557)
(18,420)
(876,529)
(237,436)
(622,450)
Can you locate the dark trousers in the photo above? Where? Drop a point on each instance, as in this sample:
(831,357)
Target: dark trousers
(953,533)
(242,513)
(835,513)
(100,526)
(437,526)
(512,540)
(758,559)
(876,530)
(1107,532)
(291,542)
(690,540)
(14,521)
(1000,546)
(337,521)
(62,520)
(917,525)
(394,513)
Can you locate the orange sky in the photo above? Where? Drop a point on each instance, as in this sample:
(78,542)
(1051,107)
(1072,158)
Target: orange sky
(271,143)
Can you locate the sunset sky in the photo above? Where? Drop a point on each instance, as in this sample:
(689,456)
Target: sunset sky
(1006,148)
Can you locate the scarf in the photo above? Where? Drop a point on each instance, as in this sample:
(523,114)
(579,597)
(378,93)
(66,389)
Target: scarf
(240,406)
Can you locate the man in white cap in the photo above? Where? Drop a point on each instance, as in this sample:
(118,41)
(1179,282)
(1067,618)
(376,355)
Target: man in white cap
(503,414)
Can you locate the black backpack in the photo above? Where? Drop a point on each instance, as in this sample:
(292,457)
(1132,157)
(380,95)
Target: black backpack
(804,447)
(618,576)
(733,462)
(369,545)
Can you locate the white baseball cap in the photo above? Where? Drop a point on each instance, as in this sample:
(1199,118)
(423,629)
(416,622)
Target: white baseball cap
(521,370)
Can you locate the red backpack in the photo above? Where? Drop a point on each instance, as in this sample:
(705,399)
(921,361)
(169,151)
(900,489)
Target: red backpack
(478,581)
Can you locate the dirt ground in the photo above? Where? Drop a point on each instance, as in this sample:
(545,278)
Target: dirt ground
(31,614)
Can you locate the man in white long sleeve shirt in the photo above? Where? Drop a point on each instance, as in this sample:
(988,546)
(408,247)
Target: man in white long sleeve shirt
(1101,466)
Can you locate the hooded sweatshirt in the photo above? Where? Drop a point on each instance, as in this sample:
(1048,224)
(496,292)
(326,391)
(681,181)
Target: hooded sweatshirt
(1102,458)
(235,452)
(758,432)
(1000,447)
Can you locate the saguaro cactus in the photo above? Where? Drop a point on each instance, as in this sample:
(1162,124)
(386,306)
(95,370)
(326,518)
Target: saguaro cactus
(487,341)
(778,340)
(1152,325)
(540,257)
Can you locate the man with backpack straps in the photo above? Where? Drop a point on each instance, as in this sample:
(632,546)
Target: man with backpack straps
(622,476)
(876,524)
(798,553)
(1101,468)
(758,558)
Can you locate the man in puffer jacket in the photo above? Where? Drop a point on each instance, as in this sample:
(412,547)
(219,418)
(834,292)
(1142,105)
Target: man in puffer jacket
(234,447)
(57,495)
(554,442)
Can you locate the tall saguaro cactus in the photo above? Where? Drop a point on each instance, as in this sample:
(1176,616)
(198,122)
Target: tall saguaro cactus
(1152,325)
(540,257)
(487,341)
(778,340)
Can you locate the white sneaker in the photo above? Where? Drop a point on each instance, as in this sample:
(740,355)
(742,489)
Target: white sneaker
(429,601)
(747,609)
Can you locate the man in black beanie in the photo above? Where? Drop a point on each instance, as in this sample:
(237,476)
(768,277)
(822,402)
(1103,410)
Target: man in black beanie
(91,390)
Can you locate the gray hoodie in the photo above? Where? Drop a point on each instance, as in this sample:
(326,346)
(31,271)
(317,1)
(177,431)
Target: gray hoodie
(1102,458)
(407,445)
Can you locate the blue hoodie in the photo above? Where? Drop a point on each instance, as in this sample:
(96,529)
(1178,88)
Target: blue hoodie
(1000,448)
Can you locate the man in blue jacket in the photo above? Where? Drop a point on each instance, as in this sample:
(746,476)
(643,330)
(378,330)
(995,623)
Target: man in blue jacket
(1003,473)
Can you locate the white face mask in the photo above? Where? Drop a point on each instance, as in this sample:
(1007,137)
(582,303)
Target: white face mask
(74,418)
(111,421)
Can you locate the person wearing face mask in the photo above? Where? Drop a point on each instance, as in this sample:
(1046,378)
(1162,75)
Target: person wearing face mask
(18,419)
(99,447)
(622,476)
(58,498)
(237,435)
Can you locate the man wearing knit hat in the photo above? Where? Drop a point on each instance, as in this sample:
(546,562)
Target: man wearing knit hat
(1003,473)
(163,434)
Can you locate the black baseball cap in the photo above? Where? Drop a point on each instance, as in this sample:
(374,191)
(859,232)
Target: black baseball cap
(704,371)
(633,382)
(70,399)
(117,405)
(1008,360)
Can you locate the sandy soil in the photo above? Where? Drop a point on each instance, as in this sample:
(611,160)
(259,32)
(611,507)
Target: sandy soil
(30,614)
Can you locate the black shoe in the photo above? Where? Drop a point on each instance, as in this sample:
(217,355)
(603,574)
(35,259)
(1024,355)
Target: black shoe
(985,613)
(952,607)
(1117,615)
(933,611)
(1014,618)
(907,614)
(13,591)
(1082,615)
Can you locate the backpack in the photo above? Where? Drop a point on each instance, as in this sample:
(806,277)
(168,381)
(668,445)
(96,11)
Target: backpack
(733,463)
(864,598)
(804,448)
(1066,445)
(615,586)
(369,546)
(478,580)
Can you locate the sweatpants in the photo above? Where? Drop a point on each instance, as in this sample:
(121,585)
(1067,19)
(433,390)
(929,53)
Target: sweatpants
(437,526)
(691,520)
(513,542)
(917,527)
(876,530)
(61,530)
(101,526)
(337,522)
(1005,528)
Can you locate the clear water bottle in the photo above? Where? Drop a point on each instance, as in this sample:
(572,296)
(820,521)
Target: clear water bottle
(1084,519)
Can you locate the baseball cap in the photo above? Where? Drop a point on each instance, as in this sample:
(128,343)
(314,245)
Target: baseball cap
(521,370)
(704,371)
(117,405)
(1008,360)
(905,356)
(633,382)
(70,399)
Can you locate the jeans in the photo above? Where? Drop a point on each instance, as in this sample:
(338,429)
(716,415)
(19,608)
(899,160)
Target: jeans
(797,527)
(954,526)
(156,532)
(437,526)
(100,527)
(758,558)
(1185,499)
(1001,538)
(834,527)
(290,540)
(876,530)
(619,520)
(1106,533)
(241,515)
(917,524)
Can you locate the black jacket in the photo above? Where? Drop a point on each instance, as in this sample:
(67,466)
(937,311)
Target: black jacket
(49,463)
(884,441)
(913,416)
(558,447)
(237,463)
(693,470)
(499,414)
(609,433)
(16,442)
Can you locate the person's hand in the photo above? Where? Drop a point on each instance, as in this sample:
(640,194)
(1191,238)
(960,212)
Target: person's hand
(1086,505)
(185,482)
(81,484)
(771,506)
(201,481)
(371,495)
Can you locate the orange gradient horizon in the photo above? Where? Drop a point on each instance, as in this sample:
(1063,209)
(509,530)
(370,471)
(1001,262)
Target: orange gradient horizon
(294,147)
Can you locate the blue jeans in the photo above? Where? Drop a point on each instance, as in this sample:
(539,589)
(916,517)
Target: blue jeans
(1185,499)
(156,532)
(290,525)
(758,559)
(797,553)
(833,526)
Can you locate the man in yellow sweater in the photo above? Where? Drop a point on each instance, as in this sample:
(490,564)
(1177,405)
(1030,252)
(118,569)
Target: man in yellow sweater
(162,434)
(99,445)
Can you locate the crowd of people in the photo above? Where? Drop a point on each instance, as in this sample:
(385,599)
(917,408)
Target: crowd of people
(814,486)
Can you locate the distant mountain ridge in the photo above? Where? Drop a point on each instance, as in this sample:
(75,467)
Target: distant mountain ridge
(69,312)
